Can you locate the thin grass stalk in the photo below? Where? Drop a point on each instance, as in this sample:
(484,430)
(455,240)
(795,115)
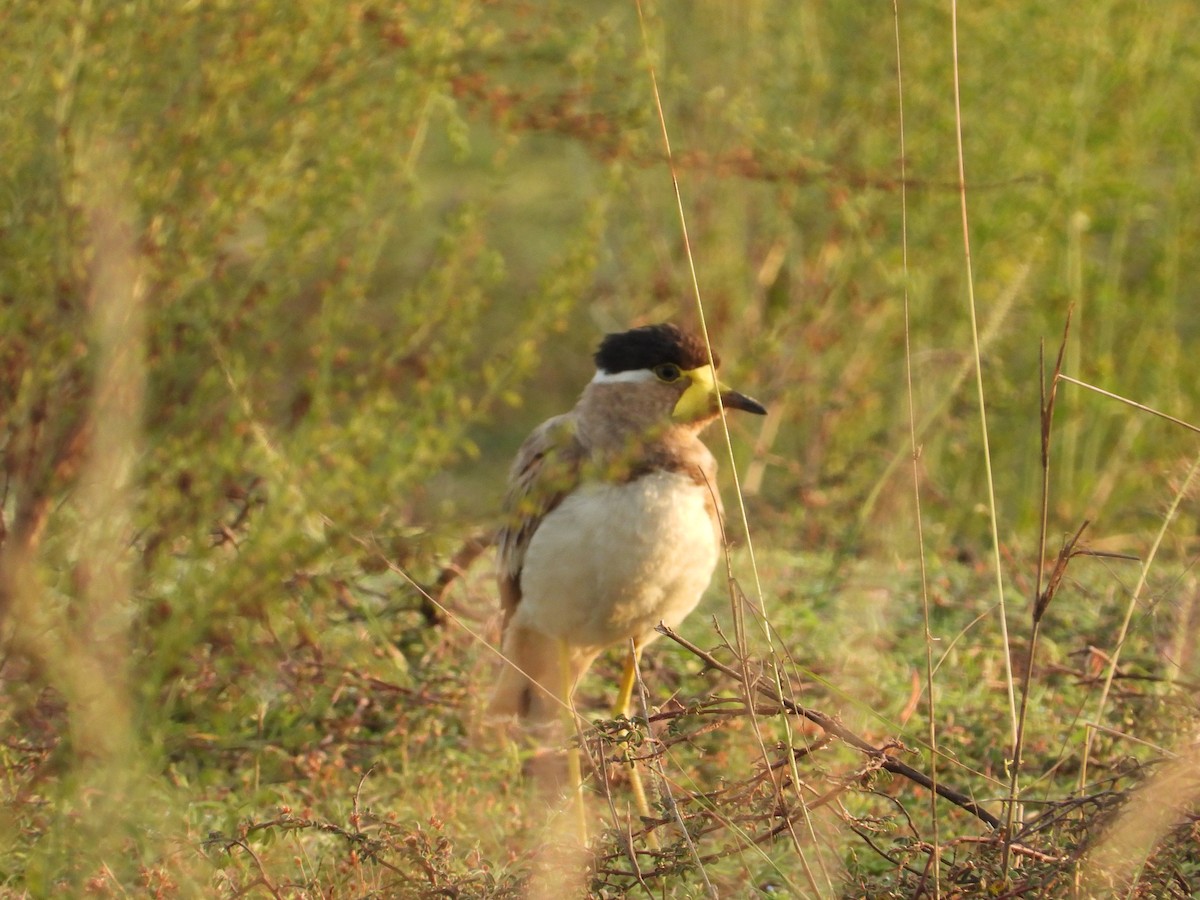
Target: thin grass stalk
(758,590)
(1038,607)
(696,294)
(987,454)
(1145,570)
(1035,626)
(931,700)
(999,313)
(1143,575)
(1135,597)
(1148,409)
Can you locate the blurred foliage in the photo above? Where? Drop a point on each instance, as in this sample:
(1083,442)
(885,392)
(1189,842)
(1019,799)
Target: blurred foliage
(360,249)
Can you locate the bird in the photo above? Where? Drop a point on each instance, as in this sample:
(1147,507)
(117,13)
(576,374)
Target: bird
(612,520)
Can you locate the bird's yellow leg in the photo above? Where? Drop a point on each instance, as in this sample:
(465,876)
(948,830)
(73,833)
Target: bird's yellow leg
(574,769)
(628,676)
(621,708)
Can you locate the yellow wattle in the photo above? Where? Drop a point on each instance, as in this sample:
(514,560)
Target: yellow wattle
(699,398)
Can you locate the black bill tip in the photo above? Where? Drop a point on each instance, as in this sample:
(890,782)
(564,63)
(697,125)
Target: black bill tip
(734,400)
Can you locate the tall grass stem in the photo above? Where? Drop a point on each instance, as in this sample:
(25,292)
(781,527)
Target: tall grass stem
(916,471)
(982,399)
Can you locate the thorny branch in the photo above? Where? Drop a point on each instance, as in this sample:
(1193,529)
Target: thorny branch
(831,726)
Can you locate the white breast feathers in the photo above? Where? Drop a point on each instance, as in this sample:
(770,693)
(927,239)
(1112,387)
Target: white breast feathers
(613,560)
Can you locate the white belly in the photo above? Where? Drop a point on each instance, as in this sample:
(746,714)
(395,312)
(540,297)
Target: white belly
(613,560)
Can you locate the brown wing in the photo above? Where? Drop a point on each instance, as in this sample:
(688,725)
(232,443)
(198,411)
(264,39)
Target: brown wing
(547,467)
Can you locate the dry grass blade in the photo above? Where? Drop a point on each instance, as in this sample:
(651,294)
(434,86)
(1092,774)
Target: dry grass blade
(993,516)
(931,694)
(1143,407)
(1136,595)
(1134,600)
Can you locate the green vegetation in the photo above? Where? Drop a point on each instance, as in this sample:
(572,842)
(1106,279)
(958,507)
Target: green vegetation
(282,287)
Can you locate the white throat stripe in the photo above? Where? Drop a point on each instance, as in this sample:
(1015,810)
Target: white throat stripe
(631,376)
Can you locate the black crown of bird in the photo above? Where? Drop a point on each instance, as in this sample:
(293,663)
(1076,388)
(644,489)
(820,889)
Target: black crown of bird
(649,346)
(613,519)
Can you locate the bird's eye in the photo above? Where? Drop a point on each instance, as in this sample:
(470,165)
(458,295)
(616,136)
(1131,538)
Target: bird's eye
(668,373)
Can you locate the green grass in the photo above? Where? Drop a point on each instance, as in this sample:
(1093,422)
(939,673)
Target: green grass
(281,291)
(333,767)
